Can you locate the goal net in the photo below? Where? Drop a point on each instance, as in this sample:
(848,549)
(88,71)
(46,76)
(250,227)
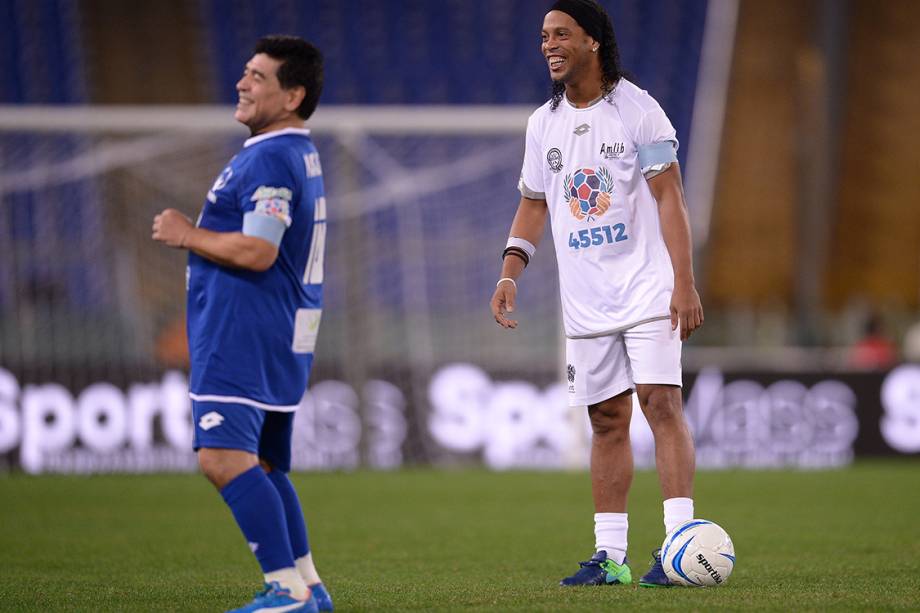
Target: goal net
(409,361)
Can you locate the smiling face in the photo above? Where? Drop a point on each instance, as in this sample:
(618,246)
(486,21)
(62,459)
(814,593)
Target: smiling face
(263,104)
(567,48)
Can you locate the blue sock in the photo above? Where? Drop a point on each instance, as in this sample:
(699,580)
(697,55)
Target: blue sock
(259,513)
(297,527)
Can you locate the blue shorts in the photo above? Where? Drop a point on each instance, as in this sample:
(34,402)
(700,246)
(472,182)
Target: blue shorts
(221,425)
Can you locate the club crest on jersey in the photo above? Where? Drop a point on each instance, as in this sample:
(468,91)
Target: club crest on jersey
(219,183)
(554,159)
(588,192)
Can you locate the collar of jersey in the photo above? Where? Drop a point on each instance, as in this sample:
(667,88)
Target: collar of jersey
(274,133)
(590,106)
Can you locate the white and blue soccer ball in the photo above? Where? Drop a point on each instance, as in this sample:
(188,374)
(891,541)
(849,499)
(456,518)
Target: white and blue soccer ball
(698,553)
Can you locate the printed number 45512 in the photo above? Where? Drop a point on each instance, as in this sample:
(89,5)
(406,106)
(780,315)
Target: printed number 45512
(597,236)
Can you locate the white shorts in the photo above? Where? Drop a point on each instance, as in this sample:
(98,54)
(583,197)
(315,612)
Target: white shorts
(603,367)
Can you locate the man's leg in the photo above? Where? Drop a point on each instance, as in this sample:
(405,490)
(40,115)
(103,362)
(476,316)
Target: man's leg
(654,355)
(598,377)
(674,454)
(675,460)
(611,473)
(275,458)
(226,438)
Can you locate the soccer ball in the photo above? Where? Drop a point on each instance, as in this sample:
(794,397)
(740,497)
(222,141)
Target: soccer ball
(698,553)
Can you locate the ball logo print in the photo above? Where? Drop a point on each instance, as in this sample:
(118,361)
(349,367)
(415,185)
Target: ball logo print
(698,553)
(588,192)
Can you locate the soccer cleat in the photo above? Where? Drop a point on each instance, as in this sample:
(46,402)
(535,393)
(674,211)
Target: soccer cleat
(655,577)
(275,599)
(600,571)
(322,597)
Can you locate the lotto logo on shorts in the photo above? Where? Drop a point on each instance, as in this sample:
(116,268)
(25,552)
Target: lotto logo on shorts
(210,420)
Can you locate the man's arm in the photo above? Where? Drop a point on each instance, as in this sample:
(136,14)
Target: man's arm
(675,228)
(528,224)
(233,249)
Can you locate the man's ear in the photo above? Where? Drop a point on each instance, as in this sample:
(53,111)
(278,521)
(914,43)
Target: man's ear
(294,97)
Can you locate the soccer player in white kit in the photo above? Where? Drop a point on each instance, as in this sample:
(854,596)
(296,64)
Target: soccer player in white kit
(600,160)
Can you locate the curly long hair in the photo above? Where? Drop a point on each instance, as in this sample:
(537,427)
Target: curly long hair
(611,71)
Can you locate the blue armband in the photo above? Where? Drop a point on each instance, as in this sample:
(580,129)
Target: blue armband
(266,227)
(656,153)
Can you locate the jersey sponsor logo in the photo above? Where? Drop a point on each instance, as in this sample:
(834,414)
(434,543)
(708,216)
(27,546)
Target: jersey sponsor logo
(612,151)
(554,159)
(210,420)
(588,192)
(274,202)
(582,129)
(314,168)
(264,192)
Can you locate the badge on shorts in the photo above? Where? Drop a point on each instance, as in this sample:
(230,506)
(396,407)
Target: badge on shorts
(570,373)
(306,329)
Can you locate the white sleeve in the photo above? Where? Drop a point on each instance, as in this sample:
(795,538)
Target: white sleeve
(531,182)
(656,140)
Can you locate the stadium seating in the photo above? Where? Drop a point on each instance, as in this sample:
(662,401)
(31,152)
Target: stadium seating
(456,52)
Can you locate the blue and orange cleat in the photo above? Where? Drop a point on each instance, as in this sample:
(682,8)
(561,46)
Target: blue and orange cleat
(275,599)
(322,597)
(655,577)
(600,571)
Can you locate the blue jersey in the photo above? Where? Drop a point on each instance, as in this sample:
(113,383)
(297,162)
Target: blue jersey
(252,334)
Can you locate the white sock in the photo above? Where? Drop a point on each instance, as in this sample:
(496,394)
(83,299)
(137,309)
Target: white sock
(610,534)
(676,512)
(289,578)
(307,570)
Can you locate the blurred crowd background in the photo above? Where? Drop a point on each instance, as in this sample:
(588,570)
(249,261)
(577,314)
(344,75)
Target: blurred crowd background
(797,121)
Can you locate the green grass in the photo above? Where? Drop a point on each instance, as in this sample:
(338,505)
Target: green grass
(430,540)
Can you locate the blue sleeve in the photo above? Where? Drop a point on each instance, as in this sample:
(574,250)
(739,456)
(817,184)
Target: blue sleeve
(267,195)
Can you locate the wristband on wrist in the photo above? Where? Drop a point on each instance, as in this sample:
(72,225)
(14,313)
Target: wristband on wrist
(506,279)
(516,252)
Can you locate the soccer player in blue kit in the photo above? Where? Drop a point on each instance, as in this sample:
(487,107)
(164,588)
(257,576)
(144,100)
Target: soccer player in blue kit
(254,284)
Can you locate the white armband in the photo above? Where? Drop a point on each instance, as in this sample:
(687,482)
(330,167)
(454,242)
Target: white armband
(519,247)
(524,244)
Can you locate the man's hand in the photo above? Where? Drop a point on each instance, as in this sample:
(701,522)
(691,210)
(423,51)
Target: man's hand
(172,228)
(686,310)
(503,302)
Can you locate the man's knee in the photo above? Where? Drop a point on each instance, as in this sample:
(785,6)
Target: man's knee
(610,418)
(662,405)
(221,466)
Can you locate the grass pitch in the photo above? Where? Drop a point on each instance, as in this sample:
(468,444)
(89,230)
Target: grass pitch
(460,540)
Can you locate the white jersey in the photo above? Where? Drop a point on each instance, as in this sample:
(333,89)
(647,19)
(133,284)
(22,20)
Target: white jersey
(614,267)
